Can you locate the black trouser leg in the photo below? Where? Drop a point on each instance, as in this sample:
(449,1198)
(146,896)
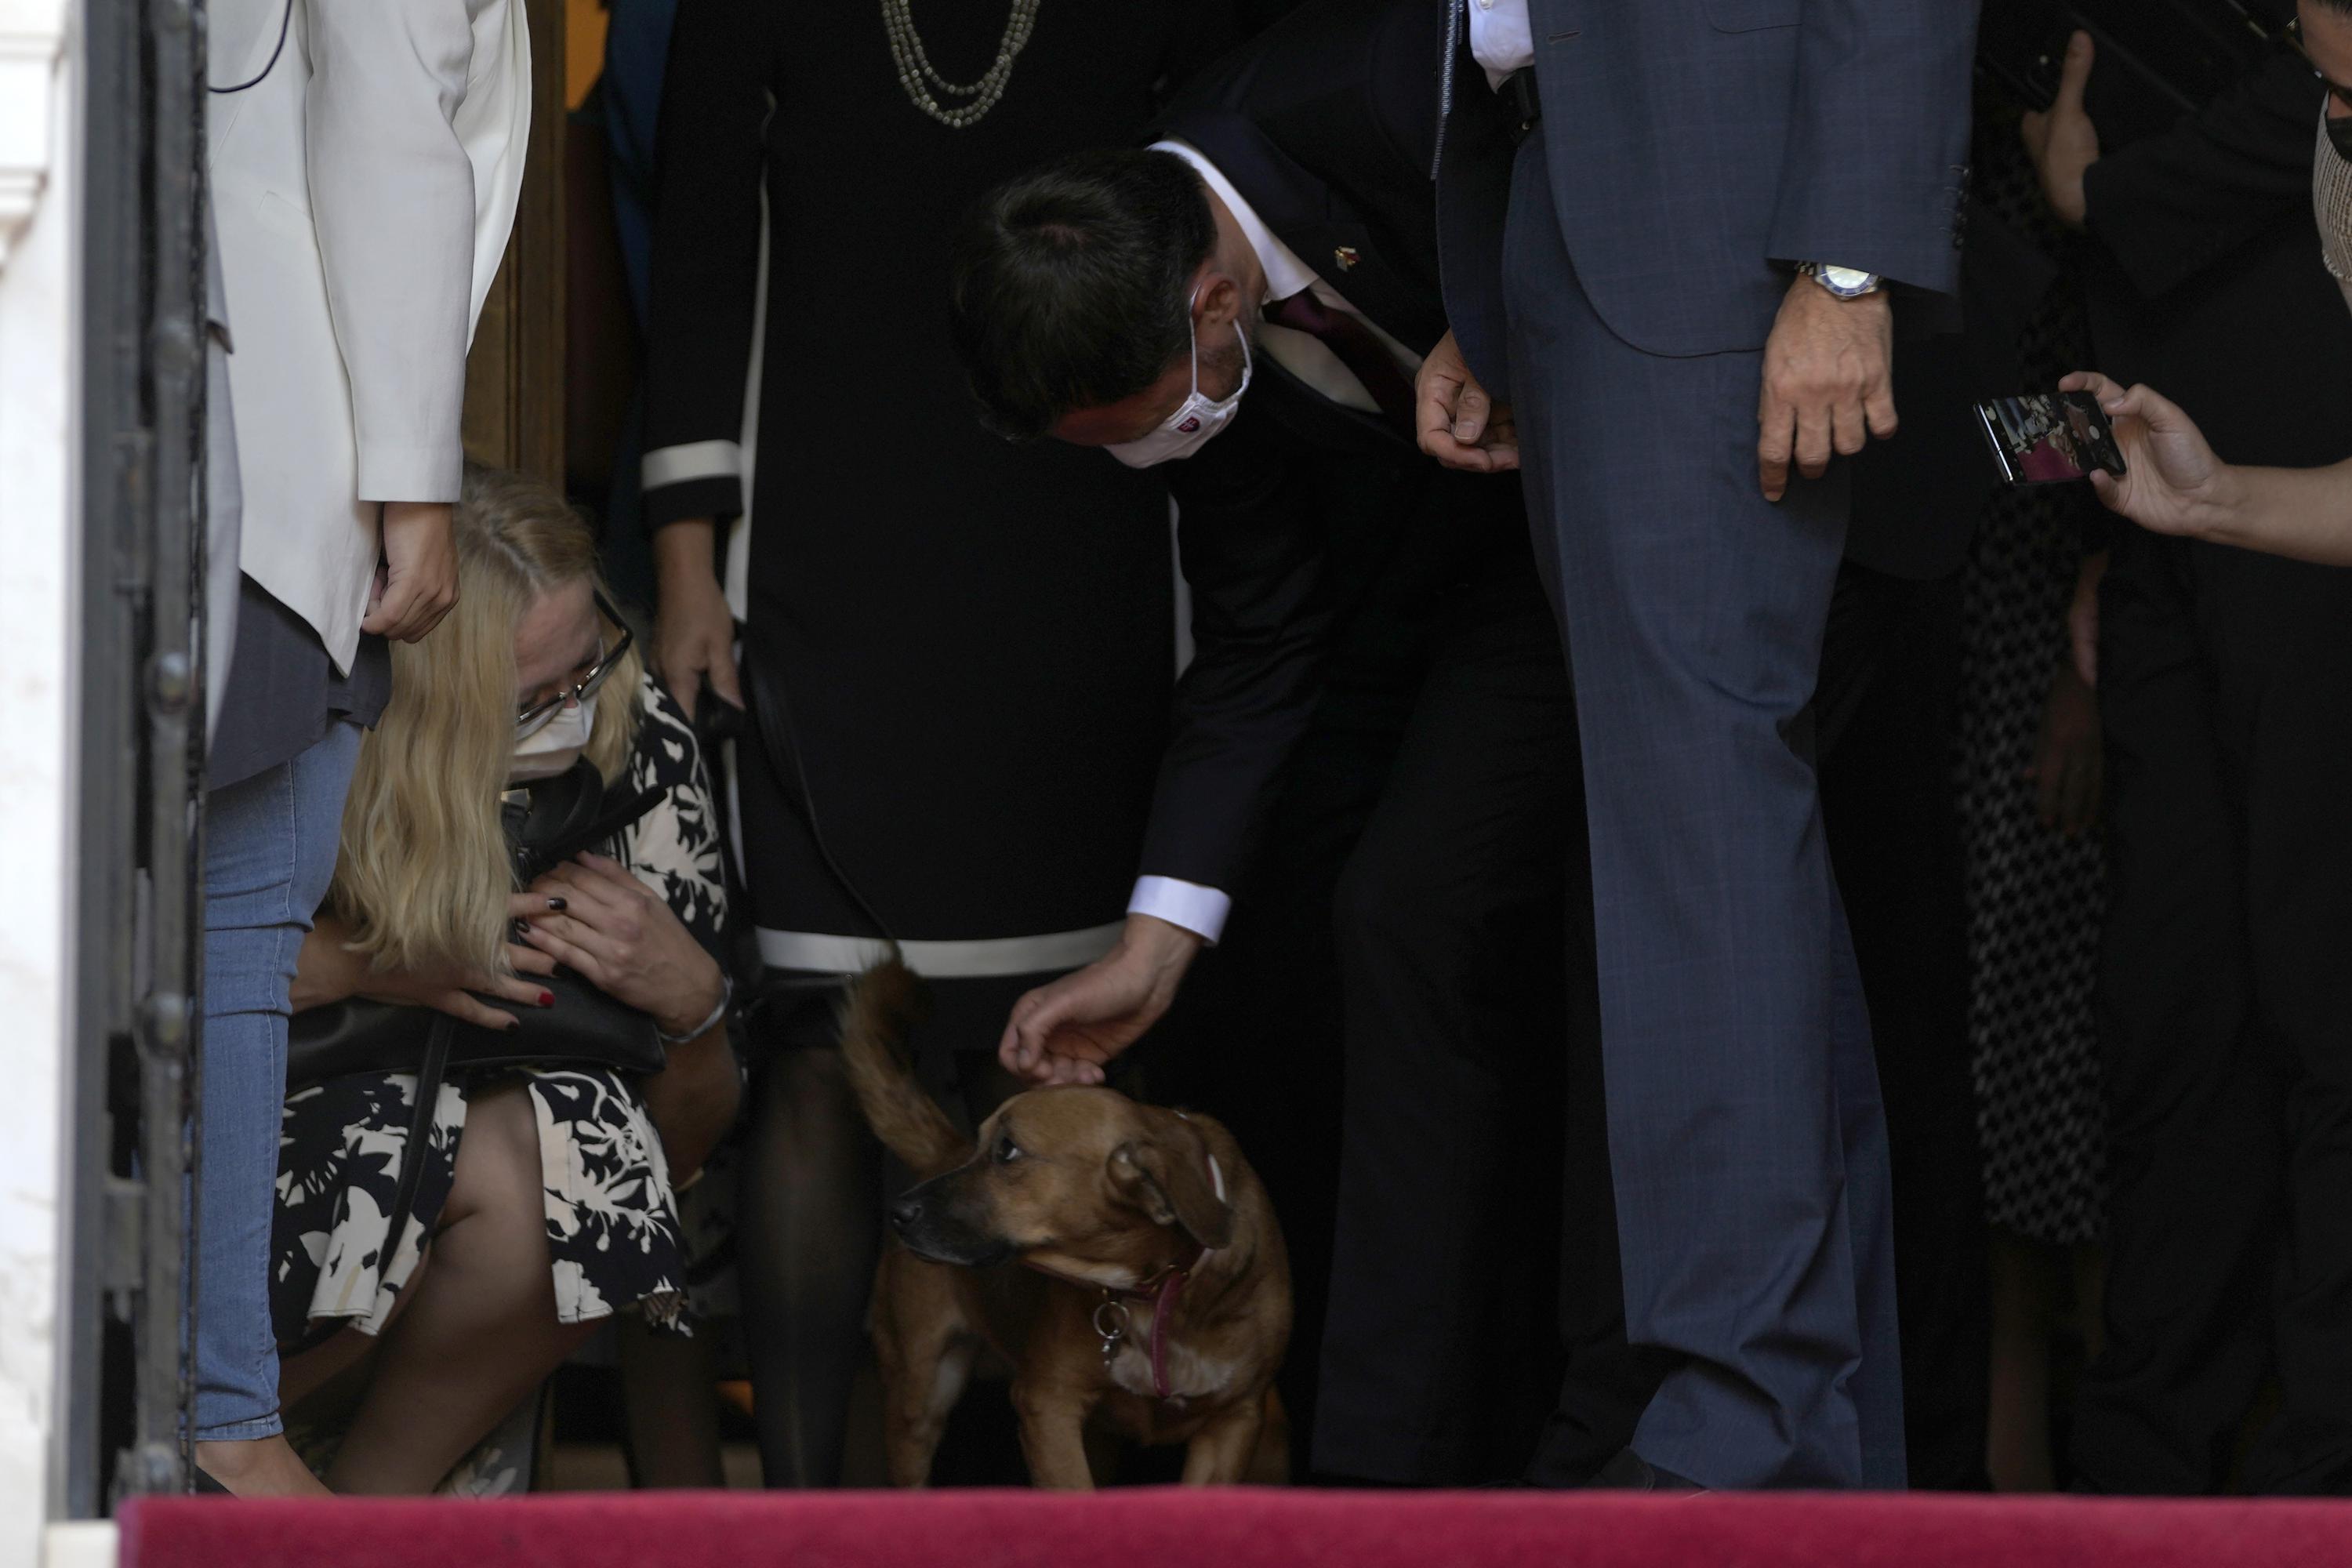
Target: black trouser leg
(2279,635)
(1450,925)
(2196,1155)
(1890,677)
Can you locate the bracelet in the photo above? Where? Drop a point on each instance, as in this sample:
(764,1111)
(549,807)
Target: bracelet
(726,995)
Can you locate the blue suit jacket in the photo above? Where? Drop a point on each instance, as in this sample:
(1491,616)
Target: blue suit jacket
(1698,147)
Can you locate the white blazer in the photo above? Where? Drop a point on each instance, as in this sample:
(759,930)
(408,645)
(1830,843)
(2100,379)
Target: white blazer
(362,195)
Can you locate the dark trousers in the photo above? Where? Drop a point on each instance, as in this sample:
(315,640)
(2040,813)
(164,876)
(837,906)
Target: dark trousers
(1746,1138)
(1462,1044)
(2225,1020)
(1890,679)
(1470,1072)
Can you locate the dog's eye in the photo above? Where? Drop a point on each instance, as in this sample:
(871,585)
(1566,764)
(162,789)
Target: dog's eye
(1006,1150)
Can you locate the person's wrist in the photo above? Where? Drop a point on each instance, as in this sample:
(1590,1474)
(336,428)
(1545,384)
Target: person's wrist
(1161,946)
(2219,502)
(398,513)
(683,544)
(700,1005)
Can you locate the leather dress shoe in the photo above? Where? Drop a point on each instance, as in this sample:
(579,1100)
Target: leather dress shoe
(1629,1472)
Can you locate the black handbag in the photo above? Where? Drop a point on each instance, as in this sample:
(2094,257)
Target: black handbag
(558,819)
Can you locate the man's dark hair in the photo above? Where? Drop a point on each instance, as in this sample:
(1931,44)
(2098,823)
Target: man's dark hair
(1069,286)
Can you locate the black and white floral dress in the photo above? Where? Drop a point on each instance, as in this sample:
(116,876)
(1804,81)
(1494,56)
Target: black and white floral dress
(613,1230)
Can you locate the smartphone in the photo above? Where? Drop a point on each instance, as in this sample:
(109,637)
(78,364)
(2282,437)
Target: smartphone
(2049,437)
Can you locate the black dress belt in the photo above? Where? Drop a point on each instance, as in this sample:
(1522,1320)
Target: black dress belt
(1522,101)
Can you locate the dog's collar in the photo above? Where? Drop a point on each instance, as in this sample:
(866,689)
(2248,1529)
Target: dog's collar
(1112,1319)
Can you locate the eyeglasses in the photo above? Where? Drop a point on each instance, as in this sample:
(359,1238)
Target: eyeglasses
(533,718)
(2340,130)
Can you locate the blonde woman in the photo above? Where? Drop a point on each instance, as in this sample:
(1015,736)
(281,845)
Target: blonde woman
(546,1203)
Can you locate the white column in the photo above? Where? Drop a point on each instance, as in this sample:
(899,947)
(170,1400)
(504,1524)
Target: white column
(39,437)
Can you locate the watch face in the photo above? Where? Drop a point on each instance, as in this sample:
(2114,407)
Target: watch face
(1847,279)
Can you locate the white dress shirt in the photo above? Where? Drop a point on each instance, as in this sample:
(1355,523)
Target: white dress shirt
(1501,38)
(1199,909)
(1305,356)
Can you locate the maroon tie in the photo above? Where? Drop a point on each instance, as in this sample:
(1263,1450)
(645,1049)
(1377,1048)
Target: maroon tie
(1345,334)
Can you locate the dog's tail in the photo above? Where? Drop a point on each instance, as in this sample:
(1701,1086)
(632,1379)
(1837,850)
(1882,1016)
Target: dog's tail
(883,1004)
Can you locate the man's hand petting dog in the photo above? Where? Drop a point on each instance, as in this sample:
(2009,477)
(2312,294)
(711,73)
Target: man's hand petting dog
(1068,1031)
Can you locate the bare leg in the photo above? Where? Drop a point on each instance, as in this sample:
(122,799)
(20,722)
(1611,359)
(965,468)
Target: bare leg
(693,1102)
(2025,1287)
(303,1375)
(480,1332)
(258,1467)
(669,1395)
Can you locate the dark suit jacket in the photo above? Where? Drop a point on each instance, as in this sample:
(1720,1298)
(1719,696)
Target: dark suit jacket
(1307,519)
(1698,146)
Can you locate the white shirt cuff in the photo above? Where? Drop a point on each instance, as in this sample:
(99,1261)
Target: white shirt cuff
(1200,911)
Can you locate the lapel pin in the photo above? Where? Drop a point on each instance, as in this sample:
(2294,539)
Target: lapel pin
(1346,257)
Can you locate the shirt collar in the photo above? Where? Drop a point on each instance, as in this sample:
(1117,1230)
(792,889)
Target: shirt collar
(1286,275)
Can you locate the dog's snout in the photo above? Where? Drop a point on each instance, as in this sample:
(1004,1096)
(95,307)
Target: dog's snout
(906,1211)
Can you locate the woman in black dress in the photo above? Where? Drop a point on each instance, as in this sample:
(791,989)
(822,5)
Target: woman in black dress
(975,642)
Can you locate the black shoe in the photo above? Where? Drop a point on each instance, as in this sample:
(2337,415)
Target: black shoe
(1629,1472)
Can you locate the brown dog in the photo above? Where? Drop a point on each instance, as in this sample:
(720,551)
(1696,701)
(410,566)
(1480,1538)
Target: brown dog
(1155,1300)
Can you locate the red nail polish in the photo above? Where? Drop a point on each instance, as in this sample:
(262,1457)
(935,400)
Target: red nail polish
(547,998)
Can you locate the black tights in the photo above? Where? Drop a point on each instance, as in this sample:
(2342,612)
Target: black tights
(809,1233)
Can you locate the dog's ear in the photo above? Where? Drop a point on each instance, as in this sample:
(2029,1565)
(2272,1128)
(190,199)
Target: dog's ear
(1170,1177)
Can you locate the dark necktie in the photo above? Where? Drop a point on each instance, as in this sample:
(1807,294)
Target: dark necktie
(1345,334)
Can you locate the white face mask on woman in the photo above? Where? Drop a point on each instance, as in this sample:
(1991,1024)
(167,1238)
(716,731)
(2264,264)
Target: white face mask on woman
(555,745)
(1196,419)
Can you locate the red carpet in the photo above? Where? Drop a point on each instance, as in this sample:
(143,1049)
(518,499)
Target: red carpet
(1156,1529)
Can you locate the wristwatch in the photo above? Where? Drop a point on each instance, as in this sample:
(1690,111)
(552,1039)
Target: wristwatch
(1845,282)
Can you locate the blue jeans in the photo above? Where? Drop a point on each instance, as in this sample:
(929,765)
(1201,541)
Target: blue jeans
(269,854)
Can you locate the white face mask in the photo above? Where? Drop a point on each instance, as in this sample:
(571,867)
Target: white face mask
(555,745)
(1196,419)
(2331,204)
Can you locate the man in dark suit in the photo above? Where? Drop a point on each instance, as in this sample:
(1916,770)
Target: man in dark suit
(1706,198)
(1286,202)
(2224,1010)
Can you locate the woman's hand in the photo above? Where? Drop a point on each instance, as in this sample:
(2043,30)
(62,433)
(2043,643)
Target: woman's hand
(2173,483)
(595,919)
(328,971)
(694,631)
(2069,767)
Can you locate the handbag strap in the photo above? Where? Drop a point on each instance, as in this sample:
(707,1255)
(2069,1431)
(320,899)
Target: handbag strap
(430,1071)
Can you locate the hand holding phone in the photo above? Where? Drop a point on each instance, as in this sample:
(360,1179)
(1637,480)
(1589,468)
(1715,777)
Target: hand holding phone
(2050,437)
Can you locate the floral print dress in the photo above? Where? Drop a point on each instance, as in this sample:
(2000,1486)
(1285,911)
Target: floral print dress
(614,1236)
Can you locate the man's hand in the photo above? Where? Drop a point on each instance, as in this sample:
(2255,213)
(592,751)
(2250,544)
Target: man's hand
(2062,141)
(418,583)
(1065,1032)
(2173,483)
(1828,381)
(1460,425)
(694,631)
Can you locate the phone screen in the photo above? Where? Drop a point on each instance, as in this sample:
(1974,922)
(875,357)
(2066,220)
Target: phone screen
(2049,437)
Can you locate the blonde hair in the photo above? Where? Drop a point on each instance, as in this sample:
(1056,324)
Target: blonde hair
(423,874)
